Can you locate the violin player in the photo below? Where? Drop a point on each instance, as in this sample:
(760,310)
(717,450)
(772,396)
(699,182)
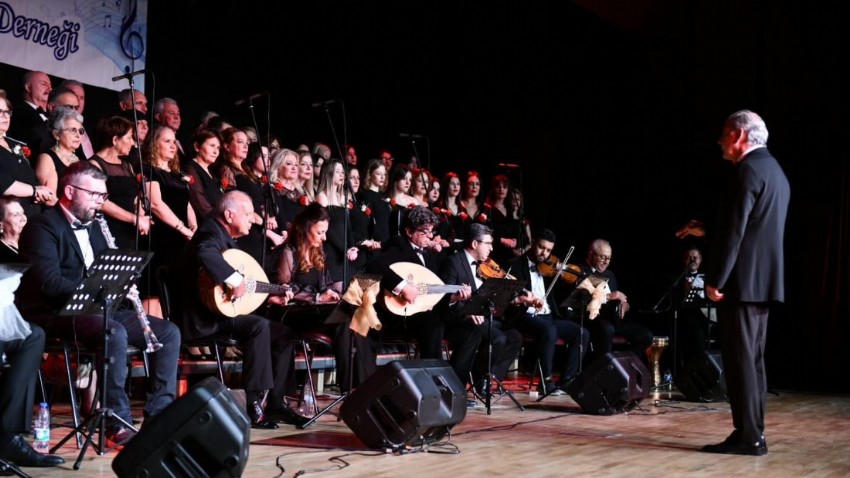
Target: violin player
(463,268)
(537,315)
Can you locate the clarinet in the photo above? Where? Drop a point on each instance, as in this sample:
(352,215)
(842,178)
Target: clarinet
(133,294)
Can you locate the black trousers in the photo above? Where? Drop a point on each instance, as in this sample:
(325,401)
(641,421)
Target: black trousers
(546,329)
(17,383)
(743,333)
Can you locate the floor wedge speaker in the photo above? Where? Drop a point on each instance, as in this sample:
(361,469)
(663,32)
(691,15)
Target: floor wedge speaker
(204,433)
(611,384)
(406,402)
(702,380)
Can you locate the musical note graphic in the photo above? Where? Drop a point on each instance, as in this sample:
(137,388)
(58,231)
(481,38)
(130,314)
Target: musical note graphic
(107,21)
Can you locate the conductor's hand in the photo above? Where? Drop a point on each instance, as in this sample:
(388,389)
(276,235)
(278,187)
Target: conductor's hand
(464,293)
(692,228)
(713,293)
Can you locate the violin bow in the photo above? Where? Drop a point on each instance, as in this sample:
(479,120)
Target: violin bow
(560,267)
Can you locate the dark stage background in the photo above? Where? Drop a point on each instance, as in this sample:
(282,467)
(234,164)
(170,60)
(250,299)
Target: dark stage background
(612,108)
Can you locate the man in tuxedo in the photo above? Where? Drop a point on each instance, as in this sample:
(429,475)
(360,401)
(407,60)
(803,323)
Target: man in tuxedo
(128,100)
(267,347)
(167,112)
(86,149)
(746,274)
(33,110)
(17,394)
(461,268)
(542,320)
(428,327)
(61,244)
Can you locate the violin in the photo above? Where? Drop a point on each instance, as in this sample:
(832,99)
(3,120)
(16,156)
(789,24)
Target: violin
(490,270)
(551,268)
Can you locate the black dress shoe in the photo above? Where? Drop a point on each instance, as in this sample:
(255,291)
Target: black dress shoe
(733,447)
(286,415)
(19,452)
(259,419)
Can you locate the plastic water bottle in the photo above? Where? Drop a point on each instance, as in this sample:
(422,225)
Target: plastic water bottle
(307,405)
(41,429)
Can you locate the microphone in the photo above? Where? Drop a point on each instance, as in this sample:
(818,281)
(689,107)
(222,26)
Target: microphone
(509,165)
(323,103)
(415,136)
(128,74)
(250,98)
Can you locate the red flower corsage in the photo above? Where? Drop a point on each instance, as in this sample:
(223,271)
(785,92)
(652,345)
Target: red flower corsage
(27,151)
(304,200)
(366,210)
(139,178)
(224,183)
(463,216)
(264,179)
(482,217)
(350,205)
(279,186)
(187,178)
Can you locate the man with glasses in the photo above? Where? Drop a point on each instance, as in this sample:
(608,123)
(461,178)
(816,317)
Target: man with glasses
(61,244)
(166,111)
(611,320)
(428,327)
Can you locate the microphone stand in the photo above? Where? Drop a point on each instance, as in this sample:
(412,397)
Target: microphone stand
(268,193)
(347,190)
(143,183)
(668,295)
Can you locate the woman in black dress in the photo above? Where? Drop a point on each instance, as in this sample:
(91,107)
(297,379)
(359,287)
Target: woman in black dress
(371,196)
(123,210)
(205,191)
(17,178)
(284,176)
(66,127)
(341,252)
(255,183)
(174,219)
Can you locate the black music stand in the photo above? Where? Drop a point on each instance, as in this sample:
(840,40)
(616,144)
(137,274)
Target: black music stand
(494,293)
(109,280)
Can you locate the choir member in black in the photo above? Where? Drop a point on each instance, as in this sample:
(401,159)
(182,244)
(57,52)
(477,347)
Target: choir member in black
(427,327)
(255,183)
(12,222)
(229,163)
(420,186)
(205,191)
(360,217)
(372,196)
(471,202)
(17,177)
(66,128)
(462,269)
(284,176)
(500,215)
(174,219)
(124,212)
(267,346)
(341,251)
(398,194)
(451,209)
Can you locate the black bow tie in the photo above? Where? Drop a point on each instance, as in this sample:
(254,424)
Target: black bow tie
(475,263)
(78,226)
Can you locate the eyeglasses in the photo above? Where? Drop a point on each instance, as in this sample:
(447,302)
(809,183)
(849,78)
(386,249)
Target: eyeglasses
(602,258)
(92,194)
(6,113)
(426,232)
(79,131)
(487,243)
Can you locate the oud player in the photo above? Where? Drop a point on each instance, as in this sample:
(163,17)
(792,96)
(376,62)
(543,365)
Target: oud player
(268,366)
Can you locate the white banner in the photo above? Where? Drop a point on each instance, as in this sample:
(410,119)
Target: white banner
(90,41)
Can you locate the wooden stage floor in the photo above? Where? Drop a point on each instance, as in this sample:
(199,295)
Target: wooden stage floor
(808,435)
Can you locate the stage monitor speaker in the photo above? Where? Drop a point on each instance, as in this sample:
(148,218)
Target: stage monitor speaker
(611,384)
(406,403)
(204,433)
(702,380)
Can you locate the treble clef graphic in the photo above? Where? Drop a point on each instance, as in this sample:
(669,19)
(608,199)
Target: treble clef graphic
(132,43)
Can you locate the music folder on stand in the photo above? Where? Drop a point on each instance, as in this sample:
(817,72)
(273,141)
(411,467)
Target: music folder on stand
(107,283)
(493,294)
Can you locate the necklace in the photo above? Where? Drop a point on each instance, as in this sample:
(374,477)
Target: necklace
(67,159)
